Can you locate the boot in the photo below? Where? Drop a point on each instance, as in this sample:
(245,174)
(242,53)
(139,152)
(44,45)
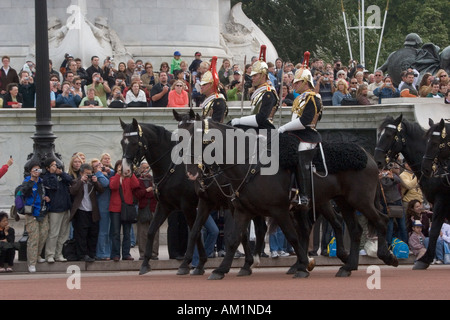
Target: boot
(303,176)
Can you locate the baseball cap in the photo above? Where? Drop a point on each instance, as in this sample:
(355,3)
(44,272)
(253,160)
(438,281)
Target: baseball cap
(177,53)
(198,53)
(417,223)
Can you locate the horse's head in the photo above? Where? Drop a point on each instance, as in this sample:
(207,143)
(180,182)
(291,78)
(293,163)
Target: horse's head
(390,142)
(438,147)
(134,146)
(204,143)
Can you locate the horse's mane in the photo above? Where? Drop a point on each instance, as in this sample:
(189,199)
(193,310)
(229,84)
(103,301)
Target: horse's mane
(412,127)
(161,132)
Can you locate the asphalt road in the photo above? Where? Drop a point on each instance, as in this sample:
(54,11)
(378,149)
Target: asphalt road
(268,284)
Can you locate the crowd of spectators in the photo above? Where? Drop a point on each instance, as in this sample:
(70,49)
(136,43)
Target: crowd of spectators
(137,84)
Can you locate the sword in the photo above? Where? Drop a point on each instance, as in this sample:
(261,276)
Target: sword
(281,93)
(243,89)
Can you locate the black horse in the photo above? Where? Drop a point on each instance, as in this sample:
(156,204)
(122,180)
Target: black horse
(214,193)
(172,188)
(268,195)
(409,139)
(175,192)
(437,154)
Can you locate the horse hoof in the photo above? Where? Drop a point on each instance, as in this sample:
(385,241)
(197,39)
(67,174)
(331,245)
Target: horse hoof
(312,264)
(420,265)
(244,272)
(342,273)
(292,270)
(301,274)
(216,276)
(182,271)
(198,272)
(394,261)
(144,270)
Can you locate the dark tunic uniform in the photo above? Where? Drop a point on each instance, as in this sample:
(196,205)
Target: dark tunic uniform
(264,106)
(215,107)
(308,107)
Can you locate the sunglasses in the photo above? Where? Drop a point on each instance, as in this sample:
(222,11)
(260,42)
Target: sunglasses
(178,85)
(354,83)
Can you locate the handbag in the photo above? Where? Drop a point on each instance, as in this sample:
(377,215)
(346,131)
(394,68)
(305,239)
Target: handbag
(393,211)
(371,247)
(128,212)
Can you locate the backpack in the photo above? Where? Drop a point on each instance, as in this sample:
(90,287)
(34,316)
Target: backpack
(19,200)
(69,250)
(400,249)
(332,248)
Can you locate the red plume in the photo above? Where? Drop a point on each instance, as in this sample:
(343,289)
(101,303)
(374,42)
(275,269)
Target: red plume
(306,60)
(262,54)
(213,69)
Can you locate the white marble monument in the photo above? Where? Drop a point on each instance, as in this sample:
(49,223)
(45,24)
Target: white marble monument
(150,30)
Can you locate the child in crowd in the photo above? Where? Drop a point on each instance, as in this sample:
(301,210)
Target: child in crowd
(417,240)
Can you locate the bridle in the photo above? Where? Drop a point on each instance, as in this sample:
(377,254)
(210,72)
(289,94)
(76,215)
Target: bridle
(213,171)
(398,138)
(443,144)
(140,155)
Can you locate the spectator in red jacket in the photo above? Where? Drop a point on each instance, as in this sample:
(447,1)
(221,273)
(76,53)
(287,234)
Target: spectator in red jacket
(4,169)
(128,185)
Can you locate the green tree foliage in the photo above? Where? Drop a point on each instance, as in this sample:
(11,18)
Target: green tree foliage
(296,26)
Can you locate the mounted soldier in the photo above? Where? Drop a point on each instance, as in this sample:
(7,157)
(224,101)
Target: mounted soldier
(214,106)
(306,113)
(264,100)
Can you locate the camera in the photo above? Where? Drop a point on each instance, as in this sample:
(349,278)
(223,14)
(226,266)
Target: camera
(89,176)
(103,168)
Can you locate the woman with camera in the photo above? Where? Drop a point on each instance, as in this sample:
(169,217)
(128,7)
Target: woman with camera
(391,197)
(84,212)
(121,190)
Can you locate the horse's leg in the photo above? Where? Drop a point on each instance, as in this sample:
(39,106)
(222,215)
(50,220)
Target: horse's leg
(379,221)
(284,220)
(260,231)
(303,225)
(355,232)
(440,211)
(246,268)
(194,238)
(327,210)
(241,221)
(161,215)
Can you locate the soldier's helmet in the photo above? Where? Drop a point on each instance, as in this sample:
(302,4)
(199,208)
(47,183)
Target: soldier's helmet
(261,66)
(413,40)
(304,74)
(211,75)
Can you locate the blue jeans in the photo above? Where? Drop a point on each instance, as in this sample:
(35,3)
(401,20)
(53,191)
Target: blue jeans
(115,236)
(276,240)
(440,249)
(402,234)
(104,240)
(210,232)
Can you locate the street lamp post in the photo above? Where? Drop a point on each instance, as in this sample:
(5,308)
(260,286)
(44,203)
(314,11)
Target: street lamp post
(43,147)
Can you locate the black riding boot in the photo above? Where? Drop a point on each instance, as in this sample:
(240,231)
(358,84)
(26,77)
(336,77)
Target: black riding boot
(303,176)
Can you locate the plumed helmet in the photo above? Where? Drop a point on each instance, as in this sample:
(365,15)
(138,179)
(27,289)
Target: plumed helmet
(211,75)
(261,66)
(303,74)
(413,40)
